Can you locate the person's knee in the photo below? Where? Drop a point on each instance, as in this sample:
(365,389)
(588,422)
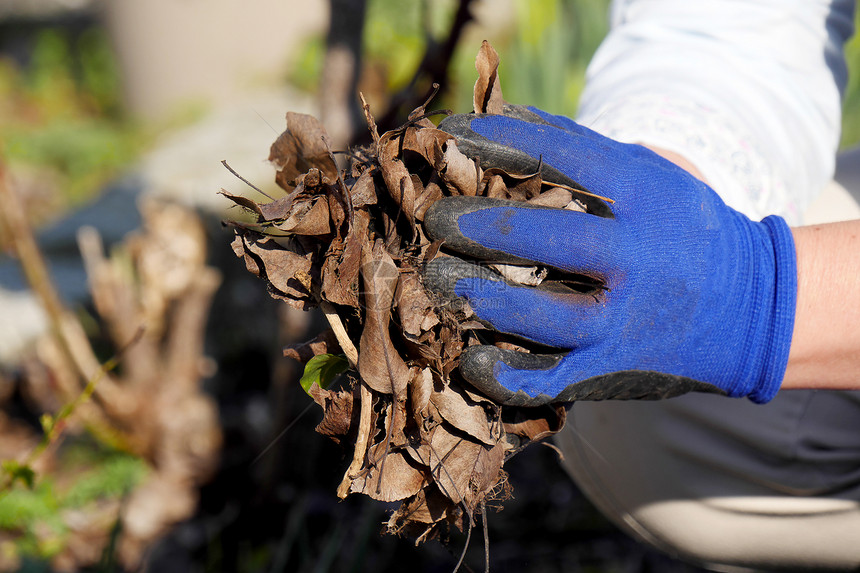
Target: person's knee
(755,533)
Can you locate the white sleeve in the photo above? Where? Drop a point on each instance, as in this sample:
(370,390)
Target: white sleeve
(749,91)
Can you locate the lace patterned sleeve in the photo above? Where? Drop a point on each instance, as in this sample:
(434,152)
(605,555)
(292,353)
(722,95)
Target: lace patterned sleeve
(749,91)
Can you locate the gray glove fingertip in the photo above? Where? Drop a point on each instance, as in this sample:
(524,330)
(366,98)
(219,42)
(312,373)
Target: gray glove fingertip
(491,154)
(441,224)
(478,364)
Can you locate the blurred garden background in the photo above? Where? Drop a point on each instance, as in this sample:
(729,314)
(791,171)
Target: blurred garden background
(190,446)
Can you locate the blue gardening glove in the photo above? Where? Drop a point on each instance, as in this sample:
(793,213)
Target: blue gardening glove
(697,296)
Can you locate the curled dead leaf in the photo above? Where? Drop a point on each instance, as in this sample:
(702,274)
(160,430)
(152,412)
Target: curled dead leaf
(468,416)
(300,148)
(488,91)
(379,362)
(391,477)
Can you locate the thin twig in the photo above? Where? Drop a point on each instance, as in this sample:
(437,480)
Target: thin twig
(465,546)
(486,537)
(30,257)
(579,191)
(371,123)
(245,181)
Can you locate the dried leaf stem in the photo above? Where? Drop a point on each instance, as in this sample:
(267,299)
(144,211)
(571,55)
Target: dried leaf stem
(340,333)
(365,399)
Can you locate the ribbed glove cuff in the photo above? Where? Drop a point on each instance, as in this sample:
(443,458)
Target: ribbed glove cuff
(782,309)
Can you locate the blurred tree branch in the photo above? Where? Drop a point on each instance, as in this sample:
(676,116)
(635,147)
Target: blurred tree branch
(433,69)
(340,111)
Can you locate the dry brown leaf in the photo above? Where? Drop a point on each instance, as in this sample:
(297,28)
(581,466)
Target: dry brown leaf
(420,390)
(238,246)
(432,193)
(308,217)
(391,477)
(279,209)
(427,143)
(379,363)
(242,201)
(554,197)
(429,506)
(300,148)
(488,90)
(267,259)
(529,276)
(414,307)
(342,263)
(486,473)
(459,171)
(534,424)
(467,416)
(363,191)
(338,415)
(399,183)
(495,187)
(516,187)
(324,343)
(452,461)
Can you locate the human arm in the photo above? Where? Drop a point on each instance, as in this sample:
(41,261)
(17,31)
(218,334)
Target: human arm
(825,348)
(825,344)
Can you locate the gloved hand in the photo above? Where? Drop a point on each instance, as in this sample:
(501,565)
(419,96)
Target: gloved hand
(697,296)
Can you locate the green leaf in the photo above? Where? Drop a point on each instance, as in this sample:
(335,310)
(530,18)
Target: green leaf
(323,369)
(18,471)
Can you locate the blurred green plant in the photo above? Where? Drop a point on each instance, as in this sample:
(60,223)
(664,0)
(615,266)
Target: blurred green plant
(62,113)
(394,40)
(851,101)
(545,50)
(32,520)
(553,43)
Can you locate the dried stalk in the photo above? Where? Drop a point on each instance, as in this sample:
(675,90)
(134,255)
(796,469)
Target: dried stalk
(340,333)
(361,443)
(77,352)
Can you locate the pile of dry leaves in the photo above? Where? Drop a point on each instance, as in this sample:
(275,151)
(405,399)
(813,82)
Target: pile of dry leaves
(352,242)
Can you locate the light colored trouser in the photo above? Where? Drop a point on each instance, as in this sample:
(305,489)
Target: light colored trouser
(726,483)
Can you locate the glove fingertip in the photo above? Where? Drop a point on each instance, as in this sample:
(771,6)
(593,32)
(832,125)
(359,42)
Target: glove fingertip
(441,222)
(478,365)
(442,274)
